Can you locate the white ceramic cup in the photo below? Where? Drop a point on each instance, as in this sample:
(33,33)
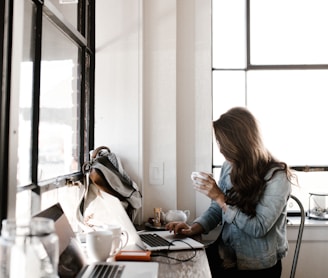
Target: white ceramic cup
(120,237)
(99,245)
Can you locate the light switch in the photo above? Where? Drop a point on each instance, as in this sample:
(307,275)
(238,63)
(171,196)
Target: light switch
(156,173)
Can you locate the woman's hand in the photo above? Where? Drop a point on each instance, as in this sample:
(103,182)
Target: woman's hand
(207,186)
(182,228)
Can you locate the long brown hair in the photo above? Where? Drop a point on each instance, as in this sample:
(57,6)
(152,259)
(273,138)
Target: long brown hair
(240,142)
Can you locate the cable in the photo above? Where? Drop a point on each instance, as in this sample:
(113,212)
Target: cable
(176,259)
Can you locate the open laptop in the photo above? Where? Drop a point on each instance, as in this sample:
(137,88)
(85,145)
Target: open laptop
(109,208)
(73,261)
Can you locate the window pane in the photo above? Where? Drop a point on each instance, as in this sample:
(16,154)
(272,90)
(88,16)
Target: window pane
(292,109)
(68,8)
(25,97)
(288,32)
(229,34)
(228,91)
(59,104)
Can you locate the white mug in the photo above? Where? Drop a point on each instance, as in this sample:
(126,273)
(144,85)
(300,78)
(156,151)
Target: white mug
(120,237)
(99,245)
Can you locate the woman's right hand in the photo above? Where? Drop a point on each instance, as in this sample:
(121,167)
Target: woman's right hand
(182,228)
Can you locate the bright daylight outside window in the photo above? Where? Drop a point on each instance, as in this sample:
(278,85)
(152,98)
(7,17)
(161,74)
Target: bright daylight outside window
(276,63)
(59,121)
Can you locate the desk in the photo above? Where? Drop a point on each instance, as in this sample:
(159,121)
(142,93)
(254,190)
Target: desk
(196,268)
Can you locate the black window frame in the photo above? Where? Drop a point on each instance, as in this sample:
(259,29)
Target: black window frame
(6,12)
(84,36)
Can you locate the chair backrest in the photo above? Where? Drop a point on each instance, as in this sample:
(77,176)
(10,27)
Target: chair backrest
(299,236)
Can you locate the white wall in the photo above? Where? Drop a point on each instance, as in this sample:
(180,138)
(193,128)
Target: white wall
(153,104)
(153,94)
(313,255)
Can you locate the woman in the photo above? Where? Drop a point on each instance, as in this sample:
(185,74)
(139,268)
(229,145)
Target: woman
(249,200)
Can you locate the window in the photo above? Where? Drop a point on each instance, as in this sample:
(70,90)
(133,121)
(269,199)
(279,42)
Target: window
(271,57)
(53,42)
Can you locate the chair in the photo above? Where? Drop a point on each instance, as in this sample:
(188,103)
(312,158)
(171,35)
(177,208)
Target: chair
(299,236)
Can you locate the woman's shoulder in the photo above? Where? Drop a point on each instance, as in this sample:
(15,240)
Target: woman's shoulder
(226,166)
(276,172)
(278,180)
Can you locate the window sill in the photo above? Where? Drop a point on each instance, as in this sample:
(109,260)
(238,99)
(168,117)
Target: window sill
(314,230)
(296,220)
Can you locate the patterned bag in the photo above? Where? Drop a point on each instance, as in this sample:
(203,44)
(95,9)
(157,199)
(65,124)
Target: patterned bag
(106,173)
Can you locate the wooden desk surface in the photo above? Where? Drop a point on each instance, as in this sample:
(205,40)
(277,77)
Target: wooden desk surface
(196,267)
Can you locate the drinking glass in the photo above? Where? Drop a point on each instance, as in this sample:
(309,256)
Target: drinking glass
(31,247)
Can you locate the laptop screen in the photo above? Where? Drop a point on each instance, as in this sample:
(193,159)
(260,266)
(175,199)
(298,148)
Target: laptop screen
(71,259)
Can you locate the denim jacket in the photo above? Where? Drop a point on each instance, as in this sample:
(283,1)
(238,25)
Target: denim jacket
(260,241)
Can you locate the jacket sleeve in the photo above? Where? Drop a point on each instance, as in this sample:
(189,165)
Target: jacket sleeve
(210,218)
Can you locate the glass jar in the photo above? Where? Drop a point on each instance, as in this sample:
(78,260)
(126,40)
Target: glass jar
(5,248)
(157,217)
(318,206)
(31,246)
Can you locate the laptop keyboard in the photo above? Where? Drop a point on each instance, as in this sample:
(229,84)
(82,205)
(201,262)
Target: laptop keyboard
(108,271)
(154,240)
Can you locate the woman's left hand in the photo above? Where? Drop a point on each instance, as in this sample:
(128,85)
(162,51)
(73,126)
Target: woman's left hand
(207,186)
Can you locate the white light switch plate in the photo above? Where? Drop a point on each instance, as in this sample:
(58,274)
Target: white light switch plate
(156,173)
